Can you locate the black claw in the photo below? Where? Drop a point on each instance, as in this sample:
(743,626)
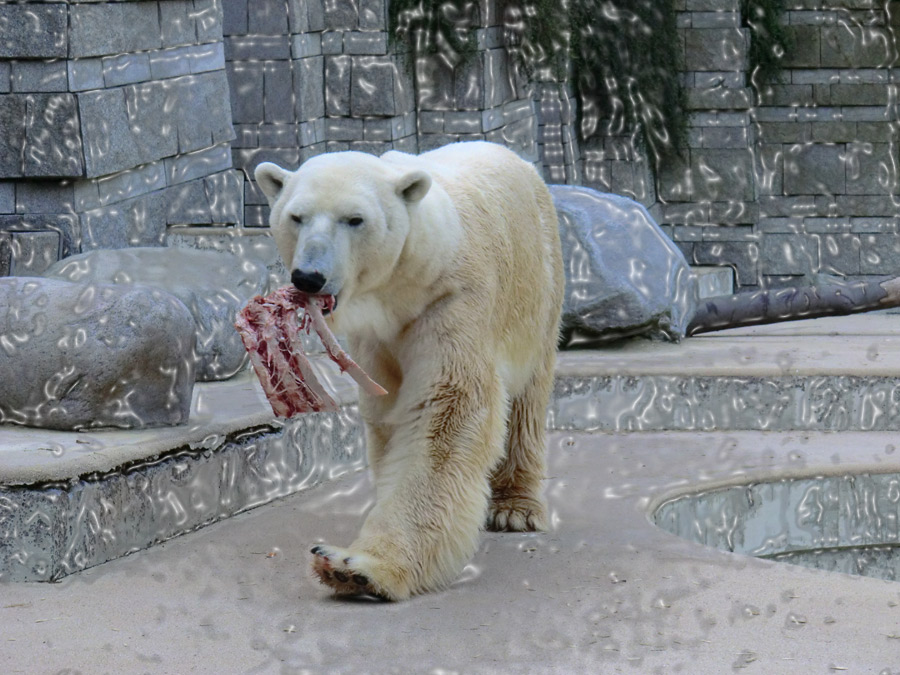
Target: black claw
(340,576)
(315,550)
(346,561)
(360,579)
(326,574)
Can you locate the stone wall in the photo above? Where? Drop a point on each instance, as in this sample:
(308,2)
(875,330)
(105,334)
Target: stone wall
(114,125)
(313,76)
(786,180)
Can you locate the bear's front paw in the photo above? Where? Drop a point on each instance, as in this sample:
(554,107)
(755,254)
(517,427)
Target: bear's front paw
(517,514)
(348,573)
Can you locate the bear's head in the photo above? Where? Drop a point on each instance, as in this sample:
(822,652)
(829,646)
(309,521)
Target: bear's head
(341,220)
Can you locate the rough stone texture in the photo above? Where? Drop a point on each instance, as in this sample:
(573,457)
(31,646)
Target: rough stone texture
(624,276)
(77,355)
(213,285)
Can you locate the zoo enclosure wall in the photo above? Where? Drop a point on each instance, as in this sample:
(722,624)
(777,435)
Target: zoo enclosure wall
(124,122)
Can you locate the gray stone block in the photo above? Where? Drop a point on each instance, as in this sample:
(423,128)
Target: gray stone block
(857,46)
(125,69)
(462,122)
(85,74)
(140,26)
(372,86)
(43,197)
(337,15)
(246,82)
(379,130)
(235,17)
(66,225)
(204,58)
(365,42)
(224,192)
(722,174)
(202,110)
(435,84)
(309,88)
(13,114)
(108,142)
(202,163)
(621,251)
(875,225)
(130,183)
(135,222)
(839,253)
(337,85)
(278,92)
(5,70)
(431,122)
(373,14)
(880,254)
(112,28)
(813,169)
(166,63)
(208,18)
(187,204)
(742,257)
(32,252)
(315,15)
(121,358)
(498,88)
(246,136)
(309,44)
(469,85)
(716,49)
(344,129)
(151,111)
(176,22)
(7,196)
(871,169)
(257,48)
(279,135)
(789,254)
(267,18)
(38,76)
(53,140)
(33,31)
(332,42)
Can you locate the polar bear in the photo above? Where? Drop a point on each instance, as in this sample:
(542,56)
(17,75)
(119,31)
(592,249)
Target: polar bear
(447,273)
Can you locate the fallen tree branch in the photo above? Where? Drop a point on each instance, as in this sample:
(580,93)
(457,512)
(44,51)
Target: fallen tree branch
(829,297)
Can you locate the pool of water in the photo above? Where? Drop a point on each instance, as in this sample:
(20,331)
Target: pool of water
(848,523)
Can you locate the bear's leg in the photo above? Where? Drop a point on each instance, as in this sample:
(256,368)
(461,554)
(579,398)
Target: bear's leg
(432,493)
(516,501)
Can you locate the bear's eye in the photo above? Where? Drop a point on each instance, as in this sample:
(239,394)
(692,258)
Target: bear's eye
(356,221)
(297,219)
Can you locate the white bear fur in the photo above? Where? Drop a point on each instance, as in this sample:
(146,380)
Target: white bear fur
(449,292)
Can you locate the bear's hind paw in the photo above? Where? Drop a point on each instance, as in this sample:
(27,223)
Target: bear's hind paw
(341,571)
(517,514)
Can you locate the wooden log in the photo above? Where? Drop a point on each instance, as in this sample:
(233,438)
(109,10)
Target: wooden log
(828,297)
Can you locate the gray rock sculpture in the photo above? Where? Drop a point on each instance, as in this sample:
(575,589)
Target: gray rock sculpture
(624,276)
(82,355)
(213,285)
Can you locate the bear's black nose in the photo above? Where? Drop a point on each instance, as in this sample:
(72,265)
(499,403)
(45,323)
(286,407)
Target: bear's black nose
(308,282)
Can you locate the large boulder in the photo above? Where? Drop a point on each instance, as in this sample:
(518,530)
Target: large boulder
(624,276)
(213,285)
(76,355)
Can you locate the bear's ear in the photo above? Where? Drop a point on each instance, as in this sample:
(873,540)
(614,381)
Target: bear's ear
(413,186)
(270,178)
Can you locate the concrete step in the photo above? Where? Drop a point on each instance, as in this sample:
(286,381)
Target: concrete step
(72,500)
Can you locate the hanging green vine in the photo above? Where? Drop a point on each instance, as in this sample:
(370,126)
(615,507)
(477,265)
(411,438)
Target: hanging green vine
(623,56)
(770,39)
